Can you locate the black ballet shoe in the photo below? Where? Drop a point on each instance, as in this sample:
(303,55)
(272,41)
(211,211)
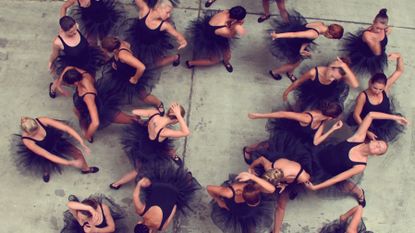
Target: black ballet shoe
(91,140)
(291,77)
(91,170)
(362,200)
(73,198)
(115,187)
(177,160)
(52,94)
(208,4)
(263,18)
(161,106)
(245,153)
(188,65)
(46,178)
(228,67)
(177,61)
(275,76)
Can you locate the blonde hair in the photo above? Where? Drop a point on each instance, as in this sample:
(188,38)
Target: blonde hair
(164,4)
(29,125)
(273,175)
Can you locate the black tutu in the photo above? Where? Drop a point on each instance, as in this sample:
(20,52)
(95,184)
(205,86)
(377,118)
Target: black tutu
(310,94)
(90,62)
(140,149)
(205,42)
(119,84)
(179,179)
(29,162)
(71,225)
(107,103)
(362,58)
(341,227)
(100,17)
(153,3)
(289,48)
(147,49)
(254,219)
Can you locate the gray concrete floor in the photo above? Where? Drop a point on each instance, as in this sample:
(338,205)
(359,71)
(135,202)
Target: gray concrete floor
(217,104)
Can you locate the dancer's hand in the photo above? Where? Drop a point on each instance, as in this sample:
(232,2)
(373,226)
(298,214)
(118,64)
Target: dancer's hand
(371,135)
(50,67)
(76,163)
(144,182)
(393,56)
(274,35)
(282,187)
(305,53)
(252,116)
(182,44)
(285,96)
(133,80)
(339,63)
(89,228)
(175,107)
(337,125)
(388,30)
(401,120)
(310,186)
(251,170)
(244,176)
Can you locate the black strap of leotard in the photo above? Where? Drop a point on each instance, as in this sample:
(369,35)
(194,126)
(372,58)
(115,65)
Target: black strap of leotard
(233,192)
(316,77)
(41,124)
(88,93)
(158,134)
(312,118)
(359,163)
(155,114)
(318,33)
(23,137)
(121,49)
(298,175)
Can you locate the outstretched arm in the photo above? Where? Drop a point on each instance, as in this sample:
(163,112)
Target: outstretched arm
(65,7)
(336,179)
(308,34)
(360,134)
(139,206)
(319,137)
(306,76)
(280,211)
(265,163)
(357,217)
(145,112)
(300,117)
(44,153)
(398,71)
(173,32)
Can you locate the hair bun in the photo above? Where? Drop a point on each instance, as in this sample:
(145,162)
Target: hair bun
(383,12)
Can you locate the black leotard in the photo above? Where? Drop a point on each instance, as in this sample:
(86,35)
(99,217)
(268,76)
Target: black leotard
(158,133)
(163,196)
(212,29)
(104,220)
(322,90)
(78,54)
(148,35)
(79,103)
(296,176)
(383,106)
(50,139)
(336,160)
(238,209)
(124,70)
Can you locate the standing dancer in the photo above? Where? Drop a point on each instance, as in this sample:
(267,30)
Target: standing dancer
(44,144)
(336,164)
(349,222)
(281,7)
(152,141)
(367,49)
(95,107)
(149,34)
(96,17)
(293,41)
(169,189)
(375,99)
(127,73)
(96,213)
(323,83)
(237,206)
(70,48)
(212,36)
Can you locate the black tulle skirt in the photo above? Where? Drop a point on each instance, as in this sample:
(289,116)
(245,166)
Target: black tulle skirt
(176,177)
(362,58)
(153,3)
(147,51)
(107,103)
(91,61)
(30,163)
(308,97)
(289,48)
(258,219)
(341,227)
(140,149)
(99,19)
(205,42)
(116,83)
(71,225)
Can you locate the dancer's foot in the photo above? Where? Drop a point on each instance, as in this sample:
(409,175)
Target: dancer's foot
(90,170)
(188,65)
(115,187)
(177,61)
(52,94)
(263,18)
(46,177)
(228,66)
(291,77)
(209,3)
(275,76)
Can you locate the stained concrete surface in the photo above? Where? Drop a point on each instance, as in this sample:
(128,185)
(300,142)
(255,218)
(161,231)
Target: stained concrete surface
(217,104)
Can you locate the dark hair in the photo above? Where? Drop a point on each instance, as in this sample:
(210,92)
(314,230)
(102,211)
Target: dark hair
(237,12)
(251,194)
(110,43)
(182,112)
(90,202)
(336,31)
(141,228)
(330,109)
(382,15)
(66,23)
(347,61)
(379,78)
(71,76)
